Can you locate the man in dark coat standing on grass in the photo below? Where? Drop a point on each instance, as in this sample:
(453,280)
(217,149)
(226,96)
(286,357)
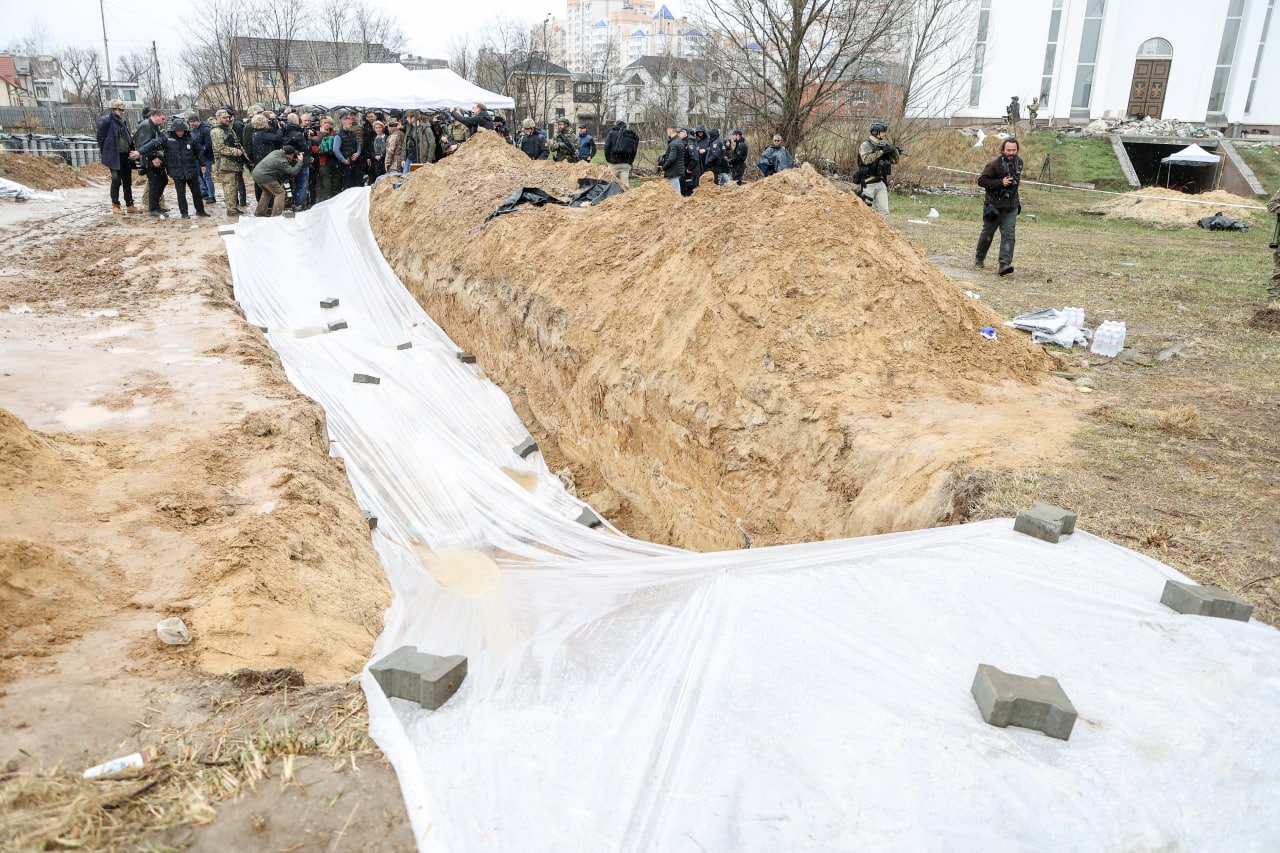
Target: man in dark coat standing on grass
(1001,205)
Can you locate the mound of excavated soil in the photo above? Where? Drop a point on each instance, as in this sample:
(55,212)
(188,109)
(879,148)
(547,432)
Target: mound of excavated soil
(771,359)
(95,171)
(39,173)
(1170,208)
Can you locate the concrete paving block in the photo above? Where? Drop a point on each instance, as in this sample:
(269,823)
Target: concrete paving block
(1029,703)
(366,379)
(371,518)
(589,517)
(1204,601)
(225,231)
(1045,521)
(1049,510)
(524,448)
(262,329)
(337,324)
(405,345)
(466,358)
(331,302)
(426,679)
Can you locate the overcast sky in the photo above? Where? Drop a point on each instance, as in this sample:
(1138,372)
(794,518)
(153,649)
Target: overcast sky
(133,24)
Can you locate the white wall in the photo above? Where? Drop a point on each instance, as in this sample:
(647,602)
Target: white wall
(1016,51)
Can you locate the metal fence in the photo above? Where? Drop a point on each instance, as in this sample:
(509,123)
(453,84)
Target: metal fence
(56,120)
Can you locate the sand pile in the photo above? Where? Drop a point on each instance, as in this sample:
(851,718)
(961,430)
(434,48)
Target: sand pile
(1165,208)
(772,359)
(40,173)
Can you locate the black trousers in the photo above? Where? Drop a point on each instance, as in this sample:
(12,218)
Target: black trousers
(180,186)
(122,178)
(157,180)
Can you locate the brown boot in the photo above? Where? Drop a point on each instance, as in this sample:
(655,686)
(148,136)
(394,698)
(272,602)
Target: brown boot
(115,208)
(132,209)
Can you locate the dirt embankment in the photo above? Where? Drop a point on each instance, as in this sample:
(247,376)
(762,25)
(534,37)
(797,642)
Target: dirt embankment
(770,360)
(41,173)
(1173,209)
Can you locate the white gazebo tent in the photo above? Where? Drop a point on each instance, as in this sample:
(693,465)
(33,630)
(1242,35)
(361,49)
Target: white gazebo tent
(1193,157)
(391,85)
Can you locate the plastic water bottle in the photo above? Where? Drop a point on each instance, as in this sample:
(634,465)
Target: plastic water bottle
(1108,340)
(127,762)
(1074,316)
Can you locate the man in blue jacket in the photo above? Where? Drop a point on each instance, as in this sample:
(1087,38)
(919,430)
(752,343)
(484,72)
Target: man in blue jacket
(202,133)
(115,141)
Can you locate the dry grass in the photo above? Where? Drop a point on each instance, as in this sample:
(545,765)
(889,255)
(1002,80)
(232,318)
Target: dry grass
(191,770)
(1180,458)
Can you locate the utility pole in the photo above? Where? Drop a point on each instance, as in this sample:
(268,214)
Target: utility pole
(155,69)
(105,52)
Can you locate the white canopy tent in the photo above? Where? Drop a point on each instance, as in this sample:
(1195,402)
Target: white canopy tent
(1193,156)
(391,85)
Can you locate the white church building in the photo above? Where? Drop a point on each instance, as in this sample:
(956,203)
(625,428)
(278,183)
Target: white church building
(1213,62)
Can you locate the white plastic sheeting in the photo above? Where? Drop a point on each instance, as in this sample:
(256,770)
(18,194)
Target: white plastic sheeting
(628,696)
(391,85)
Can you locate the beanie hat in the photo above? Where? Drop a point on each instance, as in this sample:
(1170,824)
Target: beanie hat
(192,115)
(527,124)
(116,104)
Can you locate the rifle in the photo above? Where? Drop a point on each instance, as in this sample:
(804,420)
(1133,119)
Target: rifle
(1275,234)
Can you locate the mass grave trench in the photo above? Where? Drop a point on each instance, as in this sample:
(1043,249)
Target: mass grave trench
(760,364)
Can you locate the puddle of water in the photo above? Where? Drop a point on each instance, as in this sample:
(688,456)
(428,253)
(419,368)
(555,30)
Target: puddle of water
(84,417)
(465,571)
(528,480)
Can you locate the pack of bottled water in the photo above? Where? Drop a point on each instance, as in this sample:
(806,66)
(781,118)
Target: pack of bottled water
(1074,316)
(1108,339)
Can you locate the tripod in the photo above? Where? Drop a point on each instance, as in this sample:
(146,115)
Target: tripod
(1046,171)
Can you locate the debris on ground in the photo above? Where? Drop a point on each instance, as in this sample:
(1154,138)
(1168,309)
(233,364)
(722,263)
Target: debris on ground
(1221,222)
(1145,127)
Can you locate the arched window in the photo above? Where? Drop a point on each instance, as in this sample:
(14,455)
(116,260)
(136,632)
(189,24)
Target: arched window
(1155,47)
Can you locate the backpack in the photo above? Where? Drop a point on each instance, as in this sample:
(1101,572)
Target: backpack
(626,145)
(326,145)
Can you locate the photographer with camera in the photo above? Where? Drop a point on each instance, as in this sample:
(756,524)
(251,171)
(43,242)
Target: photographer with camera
(875,163)
(1001,205)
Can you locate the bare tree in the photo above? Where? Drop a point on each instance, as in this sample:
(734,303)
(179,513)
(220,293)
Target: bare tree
(212,67)
(933,57)
(596,90)
(82,75)
(798,54)
(369,26)
(462,57)
(277,25)
(139,66)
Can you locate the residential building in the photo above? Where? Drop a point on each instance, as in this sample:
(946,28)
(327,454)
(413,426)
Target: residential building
(267,70)
(422,63)
(31,81)
(603,35)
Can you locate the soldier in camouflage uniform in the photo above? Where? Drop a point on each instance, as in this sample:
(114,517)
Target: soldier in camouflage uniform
(228,159)
(1273,289)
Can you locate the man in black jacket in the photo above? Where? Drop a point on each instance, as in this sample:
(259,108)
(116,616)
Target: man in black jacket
(620,147)
(182,154)
(1001,205)
(672,160)
(237,128)
(480,117)
(738,156)
(202,132)
(150,129)
(531,142)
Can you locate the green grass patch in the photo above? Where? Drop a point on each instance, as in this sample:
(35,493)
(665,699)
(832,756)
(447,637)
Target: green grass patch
(1264,160)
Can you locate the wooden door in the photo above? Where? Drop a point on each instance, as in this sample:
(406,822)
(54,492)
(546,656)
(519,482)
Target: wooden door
(1146,93)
